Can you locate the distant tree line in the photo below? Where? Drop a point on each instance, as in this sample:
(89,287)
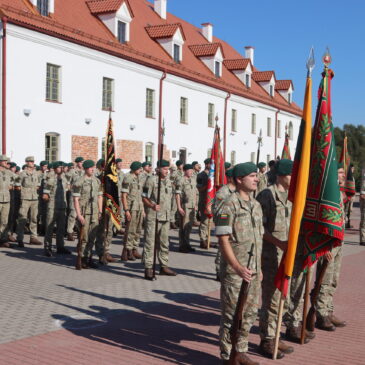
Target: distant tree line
(356,147)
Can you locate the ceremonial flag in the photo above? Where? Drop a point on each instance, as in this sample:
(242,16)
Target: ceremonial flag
(298,188)
(286,148)
(217,176)
(323,218)
(110,178)
(349,187)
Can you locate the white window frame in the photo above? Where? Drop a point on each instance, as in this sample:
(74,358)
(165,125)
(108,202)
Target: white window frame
(108,94)
(233,158)
(184,108)
(234,120)
(49,148)
(253,157)
(253,123)
(50,81)
(278,128)
(269,127)
(211,114)
(150,103)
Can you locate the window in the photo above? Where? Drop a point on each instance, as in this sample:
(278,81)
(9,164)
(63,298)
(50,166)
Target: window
(278,126)
(248,80)
(149,152)
(176,53)
(233,158)
(53,83)
(211,115)
(209,154)
(108,86)
(122,32)
(234,120)
(253,123)
(52,147)
(182,155)
(269,127)
(289,98)
(184,110)
(291,131)
(271,90)
(253,157)
(150,103)
(217,69)
(102,148)
(42,6)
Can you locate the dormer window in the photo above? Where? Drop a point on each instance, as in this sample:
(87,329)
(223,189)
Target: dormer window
(177,52)
(285,89)
(242,68)
(271,90)
(42,6)
(248,80)
(217,69)
(122,32)
(211,54)
(289,98)
(267,81)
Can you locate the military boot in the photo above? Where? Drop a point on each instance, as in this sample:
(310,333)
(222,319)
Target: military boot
(70,237)
(325,324)
(130,255)
(240,358)
(204,244)
(92,264)
(124,256)
(35,241)
(148,274)
(283,347)
(5,244)
(85,263)
(336,321)
(167,271)
(294,334)
(136,254)
(110,258)
(266,348)
(12,238)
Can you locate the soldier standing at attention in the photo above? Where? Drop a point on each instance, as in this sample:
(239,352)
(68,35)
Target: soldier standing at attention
(54,193)
(174,177)
(362,210)
(262,177)
(186,206)
(162,212)
(134,211)
(276,209)
(147,171)
(6,185)
(238,226)
(29,183)
(78,171)
(14,207)
(42,207)
(88,201)
(202,184)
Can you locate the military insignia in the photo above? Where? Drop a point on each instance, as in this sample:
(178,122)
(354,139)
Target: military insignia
(223,220)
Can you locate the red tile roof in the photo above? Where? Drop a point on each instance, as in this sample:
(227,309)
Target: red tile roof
(263,76)
(237,64)
(205,50)
(164,30)
(283,84)
(104,6)
(73,21)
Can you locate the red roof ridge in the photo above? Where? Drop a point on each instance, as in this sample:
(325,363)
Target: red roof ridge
(164,30)
(206,49)
(237,64)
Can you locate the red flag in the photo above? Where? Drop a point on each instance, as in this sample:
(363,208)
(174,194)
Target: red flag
(349,187)
(217,176)
(286,148)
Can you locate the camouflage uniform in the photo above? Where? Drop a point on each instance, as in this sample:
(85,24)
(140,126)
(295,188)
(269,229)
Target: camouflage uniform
(276,209)
(132,187)
(28,181)
(362,210)
(14,206)
(56,188)
(242,220)
(221,196)
(6,184)
(202,182)
(187,191)
(174,177)
(76,174)
(88,189)
(262,182)
(42,205)
(150,191)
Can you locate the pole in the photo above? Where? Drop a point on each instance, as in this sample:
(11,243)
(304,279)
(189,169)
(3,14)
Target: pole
(278,324)
(305,306)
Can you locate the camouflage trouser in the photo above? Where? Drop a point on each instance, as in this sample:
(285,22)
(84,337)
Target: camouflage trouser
(58,217)
(100,237)
(203,228)
(362,221)
(91,228)
(134,229)
(42,214)
(173,209)
(27,207)
(71,218)
(186,225)
(229,297)
(163,251)
(4,215)
(217,260)
(324,303)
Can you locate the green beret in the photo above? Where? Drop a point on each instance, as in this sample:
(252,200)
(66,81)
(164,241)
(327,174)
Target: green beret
(207,160)
(260,165)
(135,165)
(17,168)
(70,164)
(24,166)
(229,173)
(118,160)
(227,165)
(43,163)
(88,163)
(244,169)
(194,163)
(179,163)
(100,162)
(37,167)
(284,167)
(340,165)
(50,165)
(146,163)
(187,166)
(163,163)
(57,164)
(12,164)
(79,159)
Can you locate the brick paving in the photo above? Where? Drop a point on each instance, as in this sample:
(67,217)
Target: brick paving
(54,315)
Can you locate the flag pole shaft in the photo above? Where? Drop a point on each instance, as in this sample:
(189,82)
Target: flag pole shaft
(278,326)
(305,306)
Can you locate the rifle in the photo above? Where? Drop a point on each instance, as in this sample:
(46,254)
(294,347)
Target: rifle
(78,265)
(157,203)
(311,316)
(237,318)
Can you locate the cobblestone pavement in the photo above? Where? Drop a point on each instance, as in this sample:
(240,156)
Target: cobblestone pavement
(52,314)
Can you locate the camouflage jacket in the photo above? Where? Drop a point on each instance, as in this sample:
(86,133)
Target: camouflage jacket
(29,183)
(132,186)
(186,188)
(6,184)
(222,194)
(262,184)
(56,189)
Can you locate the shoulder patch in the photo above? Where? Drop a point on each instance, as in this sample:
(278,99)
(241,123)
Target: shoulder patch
(222,220)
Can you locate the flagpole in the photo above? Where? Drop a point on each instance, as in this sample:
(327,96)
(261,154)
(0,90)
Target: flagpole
(306,305)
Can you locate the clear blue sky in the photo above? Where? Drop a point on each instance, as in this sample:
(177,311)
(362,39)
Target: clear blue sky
(282,33)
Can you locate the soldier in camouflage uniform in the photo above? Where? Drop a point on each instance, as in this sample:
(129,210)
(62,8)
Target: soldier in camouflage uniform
(362,209)
(134,211)
(271,176)
(162,212)
(324,306)
(14,204)
(239,227)
(146,172)
(262,177)
(276,209)
(42,206)
(186,205)
(88,201)
(202,184)
(54,194)
(221,196)
(175,175)
(29,183)
(77,172)
(6,185)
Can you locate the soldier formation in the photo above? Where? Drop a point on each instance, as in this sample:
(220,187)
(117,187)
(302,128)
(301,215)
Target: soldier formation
(251,214)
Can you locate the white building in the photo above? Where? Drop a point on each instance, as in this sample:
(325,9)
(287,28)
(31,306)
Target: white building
(66,62)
